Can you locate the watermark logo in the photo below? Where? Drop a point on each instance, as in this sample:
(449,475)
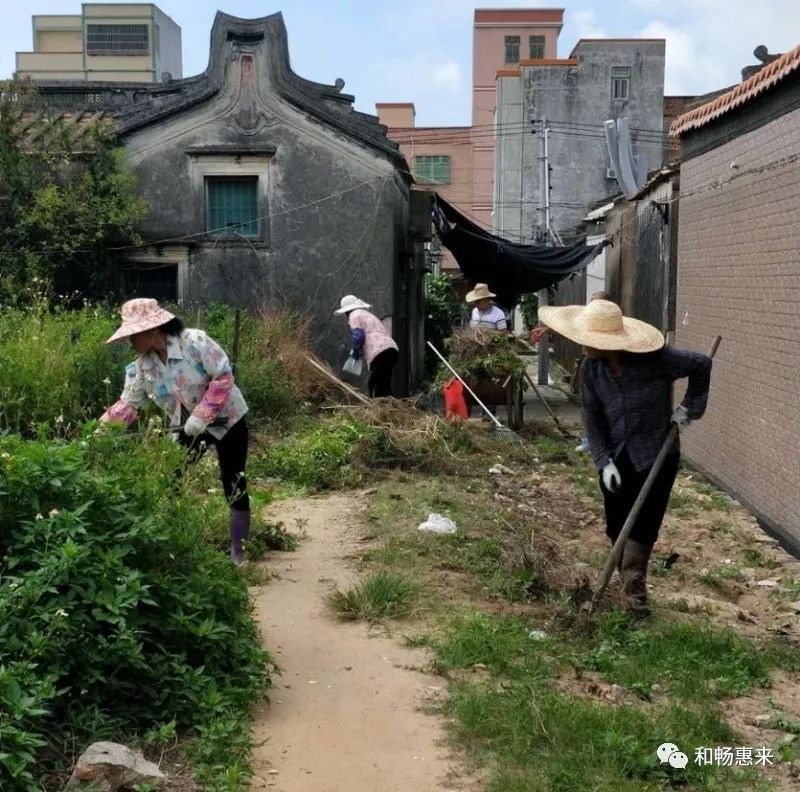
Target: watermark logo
(669,753)
(722,756)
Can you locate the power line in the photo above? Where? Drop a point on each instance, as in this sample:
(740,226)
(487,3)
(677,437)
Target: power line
(491,127)
(491,137)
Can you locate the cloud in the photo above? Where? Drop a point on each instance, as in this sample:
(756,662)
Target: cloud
(710,41)
(586,24)
(433,81)
(447,75)
(686,61)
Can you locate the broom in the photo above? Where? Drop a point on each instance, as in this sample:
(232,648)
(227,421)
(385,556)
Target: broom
(502,432)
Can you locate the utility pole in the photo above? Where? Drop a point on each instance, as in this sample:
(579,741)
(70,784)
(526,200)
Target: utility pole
(544,208)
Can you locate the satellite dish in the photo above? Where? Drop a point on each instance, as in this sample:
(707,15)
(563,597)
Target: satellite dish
(166,77)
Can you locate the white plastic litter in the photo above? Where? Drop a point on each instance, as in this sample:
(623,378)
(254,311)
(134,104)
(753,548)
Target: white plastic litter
(500,470)
(353,367)
(537,635)
(438,524)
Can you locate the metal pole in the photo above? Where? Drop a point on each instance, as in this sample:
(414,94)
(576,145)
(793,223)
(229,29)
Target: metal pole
(546,139)
(544,207)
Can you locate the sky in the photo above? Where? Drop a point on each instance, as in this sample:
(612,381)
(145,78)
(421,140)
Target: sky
(421,50)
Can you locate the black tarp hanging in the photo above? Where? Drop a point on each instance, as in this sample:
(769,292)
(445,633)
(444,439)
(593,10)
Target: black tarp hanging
(509,269)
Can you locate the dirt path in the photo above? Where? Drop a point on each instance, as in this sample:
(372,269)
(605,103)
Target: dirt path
(346,716)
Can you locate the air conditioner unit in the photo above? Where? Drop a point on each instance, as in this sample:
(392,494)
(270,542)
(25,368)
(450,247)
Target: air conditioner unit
(610,173)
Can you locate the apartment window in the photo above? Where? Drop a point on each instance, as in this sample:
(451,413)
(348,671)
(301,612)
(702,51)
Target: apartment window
(117,40)
(434,169)
(621,82)
(512,49)
(232,205)
(536,44)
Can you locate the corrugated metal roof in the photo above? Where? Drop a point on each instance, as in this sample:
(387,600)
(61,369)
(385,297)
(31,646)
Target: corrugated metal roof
(761,81)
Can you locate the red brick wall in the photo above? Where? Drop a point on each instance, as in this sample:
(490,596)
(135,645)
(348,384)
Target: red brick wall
(739,276)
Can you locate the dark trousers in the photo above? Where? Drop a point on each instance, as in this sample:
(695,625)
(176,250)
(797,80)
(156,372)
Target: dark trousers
(232,456)
(618,505)
(379,382)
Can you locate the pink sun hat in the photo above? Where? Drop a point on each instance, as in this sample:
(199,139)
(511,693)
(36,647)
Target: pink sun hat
(140,315)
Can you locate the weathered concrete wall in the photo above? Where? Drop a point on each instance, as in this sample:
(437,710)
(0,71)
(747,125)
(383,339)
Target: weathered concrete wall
(168,55)
(334,212)
(510,164)
(577,99)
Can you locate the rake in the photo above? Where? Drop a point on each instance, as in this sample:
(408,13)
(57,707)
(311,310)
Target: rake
(503,432)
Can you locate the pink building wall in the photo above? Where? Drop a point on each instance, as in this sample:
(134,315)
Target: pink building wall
(490,28)
(453,142)
(471,149)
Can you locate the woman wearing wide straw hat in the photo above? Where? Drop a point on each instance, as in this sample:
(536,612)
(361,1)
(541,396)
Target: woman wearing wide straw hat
(626,396)
(485,313)
(371,340)
(186,373)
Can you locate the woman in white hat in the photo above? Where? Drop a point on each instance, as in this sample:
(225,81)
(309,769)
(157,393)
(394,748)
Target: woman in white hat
(626,397)
(186,373)
(371,340)
(485,313)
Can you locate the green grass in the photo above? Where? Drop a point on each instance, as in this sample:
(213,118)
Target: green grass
(754,557)
(682,502)
(542,740)
(533,736)
(691,661)
(718,575)
(716,501)
(501,643)
(384,595)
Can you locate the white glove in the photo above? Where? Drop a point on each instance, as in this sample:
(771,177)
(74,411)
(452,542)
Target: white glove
(194,426)
(680,418)
(612,480)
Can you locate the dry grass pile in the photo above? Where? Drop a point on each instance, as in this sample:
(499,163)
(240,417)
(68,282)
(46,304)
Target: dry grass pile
(410,437)
(284,336)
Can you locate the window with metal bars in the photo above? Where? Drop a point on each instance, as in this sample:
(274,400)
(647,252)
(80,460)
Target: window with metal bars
(435,169)
(512,49)
(232,206)
(621,82)
(536,45)
(124,39)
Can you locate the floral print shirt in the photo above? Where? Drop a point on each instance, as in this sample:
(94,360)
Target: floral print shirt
(376,337)
(197,377)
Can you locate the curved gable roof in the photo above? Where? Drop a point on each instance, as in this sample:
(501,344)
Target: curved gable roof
(325,103)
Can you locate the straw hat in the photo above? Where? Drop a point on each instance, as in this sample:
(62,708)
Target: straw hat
(349,303)
(601,325)
(140,315)
(480,292)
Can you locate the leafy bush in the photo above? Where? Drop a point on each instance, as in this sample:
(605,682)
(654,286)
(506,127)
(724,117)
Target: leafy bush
(66,199)
(441,308)
(115,619)
(55,368)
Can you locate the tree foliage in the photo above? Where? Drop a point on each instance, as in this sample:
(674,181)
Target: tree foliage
(66,198)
